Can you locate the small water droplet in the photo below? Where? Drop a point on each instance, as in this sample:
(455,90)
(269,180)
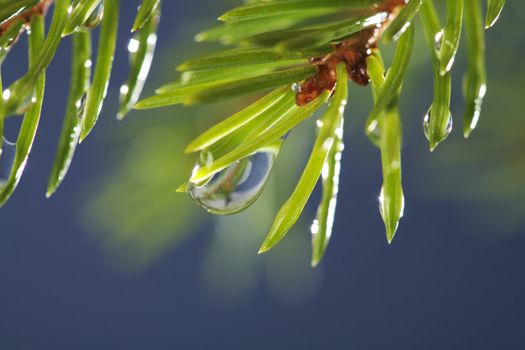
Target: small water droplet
(237,187)
(296,87)
(6,95)
(24,106)
(7,158)
(438,40)
(426,126)
(314,229)
(384,204)
(88,64)
(94,19)
(8,39)
(124,89)
(133,45)
(81,104)
(374,132)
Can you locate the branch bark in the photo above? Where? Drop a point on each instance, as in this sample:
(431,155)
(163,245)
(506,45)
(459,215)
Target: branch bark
(40,9)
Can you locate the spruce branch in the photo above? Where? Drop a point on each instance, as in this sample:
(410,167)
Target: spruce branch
(300,47)
(77,19)
(15,11)
(299,55)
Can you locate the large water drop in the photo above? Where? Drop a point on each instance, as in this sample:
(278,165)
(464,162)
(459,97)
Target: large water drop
(7,158)
(237,187)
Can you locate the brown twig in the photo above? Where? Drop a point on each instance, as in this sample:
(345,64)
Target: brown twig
(354,52)
(40,9)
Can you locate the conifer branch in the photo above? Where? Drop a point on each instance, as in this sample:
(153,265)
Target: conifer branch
(298,54)
(39,9)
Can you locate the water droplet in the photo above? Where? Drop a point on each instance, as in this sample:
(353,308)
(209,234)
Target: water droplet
(124,90)
(7,158)
(426,124)
(384,203)
(237,187)
(133,45)
(6,95)
(428,132)
(314,229)
(296,87)
(88,64)
(9,37)
(478,102)
(374,132)
(94,19)
(438,40)
(81,104)
(24,106)
(391,213)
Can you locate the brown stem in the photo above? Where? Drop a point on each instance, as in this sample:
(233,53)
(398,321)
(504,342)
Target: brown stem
(353,52)
(40,9)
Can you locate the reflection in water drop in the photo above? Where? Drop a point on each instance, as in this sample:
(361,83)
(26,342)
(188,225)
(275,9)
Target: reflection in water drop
(438,40)
(236,187)
(81,104)
(388,207)
(133,46)
(428,131)
(24,106)
(477,104)
(374,132)
(385,202)
(7,158)
(9,37)
(94,19)
(6,94)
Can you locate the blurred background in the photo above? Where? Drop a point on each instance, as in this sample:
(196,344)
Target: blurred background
(118,260)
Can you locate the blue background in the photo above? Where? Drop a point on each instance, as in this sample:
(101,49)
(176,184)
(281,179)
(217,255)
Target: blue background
(438,286)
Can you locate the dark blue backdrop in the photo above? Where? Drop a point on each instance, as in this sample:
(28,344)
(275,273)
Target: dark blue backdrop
(437,287)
